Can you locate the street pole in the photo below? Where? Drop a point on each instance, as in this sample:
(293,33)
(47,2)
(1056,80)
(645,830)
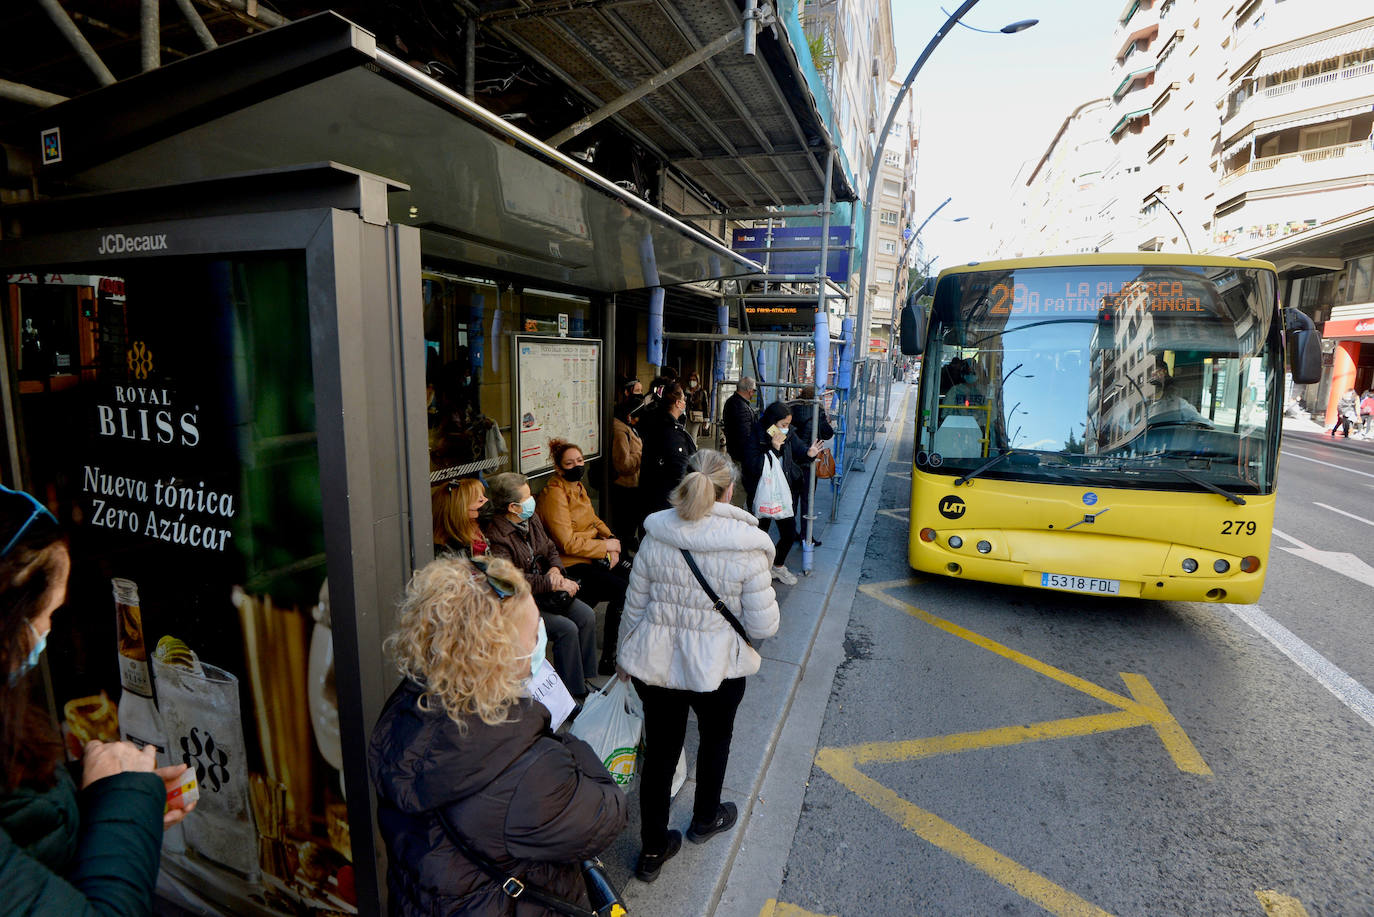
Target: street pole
(1160,200)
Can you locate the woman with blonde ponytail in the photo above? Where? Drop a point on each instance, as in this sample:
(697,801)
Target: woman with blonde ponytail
(683,653)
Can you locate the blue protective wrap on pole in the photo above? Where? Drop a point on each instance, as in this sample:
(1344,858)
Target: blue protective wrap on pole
(845,378)
(722,347)
(656,327)
(822,341)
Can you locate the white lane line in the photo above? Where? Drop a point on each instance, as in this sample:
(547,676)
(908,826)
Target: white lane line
(1328,464)
(1344,513)
(1346,689)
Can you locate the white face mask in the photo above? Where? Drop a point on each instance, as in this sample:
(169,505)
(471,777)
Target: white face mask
(541,646)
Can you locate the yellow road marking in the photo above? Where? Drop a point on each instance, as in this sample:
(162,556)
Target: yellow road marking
(933,829)
(1145,702)
(773,908)
(1143,707)
(1277,905)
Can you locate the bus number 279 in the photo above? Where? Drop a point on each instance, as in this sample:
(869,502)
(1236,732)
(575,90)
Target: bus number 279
(1237,527)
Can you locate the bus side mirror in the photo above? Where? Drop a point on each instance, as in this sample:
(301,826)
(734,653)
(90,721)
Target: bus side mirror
(913,328)
(1304,347)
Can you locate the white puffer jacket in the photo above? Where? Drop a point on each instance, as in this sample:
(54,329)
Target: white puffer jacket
(671,635)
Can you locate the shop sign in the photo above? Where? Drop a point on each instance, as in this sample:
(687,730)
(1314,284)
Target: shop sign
(184,465)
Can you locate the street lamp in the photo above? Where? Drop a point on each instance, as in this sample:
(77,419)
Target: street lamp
(1155,195)
(1019,26)
(861,332)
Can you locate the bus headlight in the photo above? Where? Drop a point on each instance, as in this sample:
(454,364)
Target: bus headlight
(1189,565)
(955,541)
(984,547)
(1221,566)
(927,535)
(1249,564)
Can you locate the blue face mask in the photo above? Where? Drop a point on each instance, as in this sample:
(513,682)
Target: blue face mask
(541,646)
(526,508)
(40,641)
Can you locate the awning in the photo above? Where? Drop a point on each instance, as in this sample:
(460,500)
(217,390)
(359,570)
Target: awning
(1131,78)
(1127,119)
(746,129)
(481,191)
(1300,119)
(1287,58)
(1150,31)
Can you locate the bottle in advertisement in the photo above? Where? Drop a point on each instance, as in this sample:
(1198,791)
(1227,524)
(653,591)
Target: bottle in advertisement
(139,722)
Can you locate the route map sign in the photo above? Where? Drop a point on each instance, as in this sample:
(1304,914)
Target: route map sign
(558,392)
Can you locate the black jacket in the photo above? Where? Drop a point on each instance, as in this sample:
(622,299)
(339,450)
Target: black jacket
(757,446)
(531,549)
(667,447)
(739,419)
(533,802)
(800,438)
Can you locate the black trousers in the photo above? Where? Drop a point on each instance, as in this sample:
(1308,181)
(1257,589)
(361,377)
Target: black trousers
(787,536)
(1342,420)
(601,584)
(627,515)
(572,638)
(665,728)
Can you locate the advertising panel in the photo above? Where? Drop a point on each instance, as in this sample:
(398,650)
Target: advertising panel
(751,242)
(181,456)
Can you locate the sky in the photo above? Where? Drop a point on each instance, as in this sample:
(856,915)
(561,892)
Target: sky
(985,104)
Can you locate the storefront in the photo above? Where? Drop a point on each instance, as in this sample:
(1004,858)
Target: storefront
(233,367)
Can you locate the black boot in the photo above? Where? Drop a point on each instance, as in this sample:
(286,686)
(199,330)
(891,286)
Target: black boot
(646,870)
(700,832)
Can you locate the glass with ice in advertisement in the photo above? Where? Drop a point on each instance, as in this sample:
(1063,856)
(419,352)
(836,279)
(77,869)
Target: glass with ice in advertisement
(200,711)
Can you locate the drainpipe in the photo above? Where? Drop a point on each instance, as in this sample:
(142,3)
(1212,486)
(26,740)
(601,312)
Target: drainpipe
(656,328)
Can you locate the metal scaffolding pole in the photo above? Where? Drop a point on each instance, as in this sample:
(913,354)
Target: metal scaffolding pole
(78,41)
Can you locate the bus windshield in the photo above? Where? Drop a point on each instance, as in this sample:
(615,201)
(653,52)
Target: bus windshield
(1158,376)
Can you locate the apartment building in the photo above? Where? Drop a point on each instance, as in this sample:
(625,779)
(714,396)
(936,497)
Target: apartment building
(895,202)
(1296,182)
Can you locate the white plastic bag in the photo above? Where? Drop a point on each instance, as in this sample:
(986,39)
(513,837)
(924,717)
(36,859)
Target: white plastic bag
(679,774)
(611,722)
(773,499)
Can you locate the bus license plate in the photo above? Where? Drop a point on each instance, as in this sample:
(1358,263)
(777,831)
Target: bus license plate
(1080,583)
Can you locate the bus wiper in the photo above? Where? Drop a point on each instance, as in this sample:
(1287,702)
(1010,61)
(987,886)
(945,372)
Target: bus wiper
(1203,482)
(1033,453)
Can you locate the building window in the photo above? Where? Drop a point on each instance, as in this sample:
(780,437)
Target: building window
(892,158)
(1315,138)
(888,217)
(1361,271)
(891,187)
(888,246)
(884,275)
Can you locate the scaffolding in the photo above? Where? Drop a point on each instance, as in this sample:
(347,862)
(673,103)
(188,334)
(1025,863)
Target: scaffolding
(783,362)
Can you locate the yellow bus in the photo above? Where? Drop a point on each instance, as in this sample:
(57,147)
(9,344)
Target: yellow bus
(1104,424)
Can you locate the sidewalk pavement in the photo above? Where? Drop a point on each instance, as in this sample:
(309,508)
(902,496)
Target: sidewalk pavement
(1301,428)
(776,729)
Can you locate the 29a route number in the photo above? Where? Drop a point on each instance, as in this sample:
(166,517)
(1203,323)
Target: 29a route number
(1237,527)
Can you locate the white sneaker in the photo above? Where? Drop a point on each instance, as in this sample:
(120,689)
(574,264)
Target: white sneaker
(785,576)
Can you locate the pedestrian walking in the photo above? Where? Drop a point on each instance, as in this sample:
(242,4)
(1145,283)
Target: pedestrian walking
(473,788)
(1347,413)
(738,419)
(588,548)
(514,532)
(1367,412)
(772,436)
(698,405)
(667,447)
(700,560)
(63,850)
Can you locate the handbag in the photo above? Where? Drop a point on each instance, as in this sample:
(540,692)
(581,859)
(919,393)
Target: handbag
(716,602)
(602,894)
(696,416)
(825,464)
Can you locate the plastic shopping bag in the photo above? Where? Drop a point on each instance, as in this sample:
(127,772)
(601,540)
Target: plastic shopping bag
(773,499)
(611,722)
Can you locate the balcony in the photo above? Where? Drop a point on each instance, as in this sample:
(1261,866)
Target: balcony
(1305,166)
(1144,24)
(1328,88)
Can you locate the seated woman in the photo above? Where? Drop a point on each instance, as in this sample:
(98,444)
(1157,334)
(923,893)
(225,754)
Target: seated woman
(456,505)
(470,779)
(515,533)
(589,550)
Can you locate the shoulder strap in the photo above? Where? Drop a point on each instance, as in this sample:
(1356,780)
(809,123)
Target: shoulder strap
(720,606)
(511,886)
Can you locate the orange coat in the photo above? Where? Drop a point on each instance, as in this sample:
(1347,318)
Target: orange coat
(567,513)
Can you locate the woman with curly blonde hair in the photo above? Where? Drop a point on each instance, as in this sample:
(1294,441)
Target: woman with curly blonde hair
(464,761)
